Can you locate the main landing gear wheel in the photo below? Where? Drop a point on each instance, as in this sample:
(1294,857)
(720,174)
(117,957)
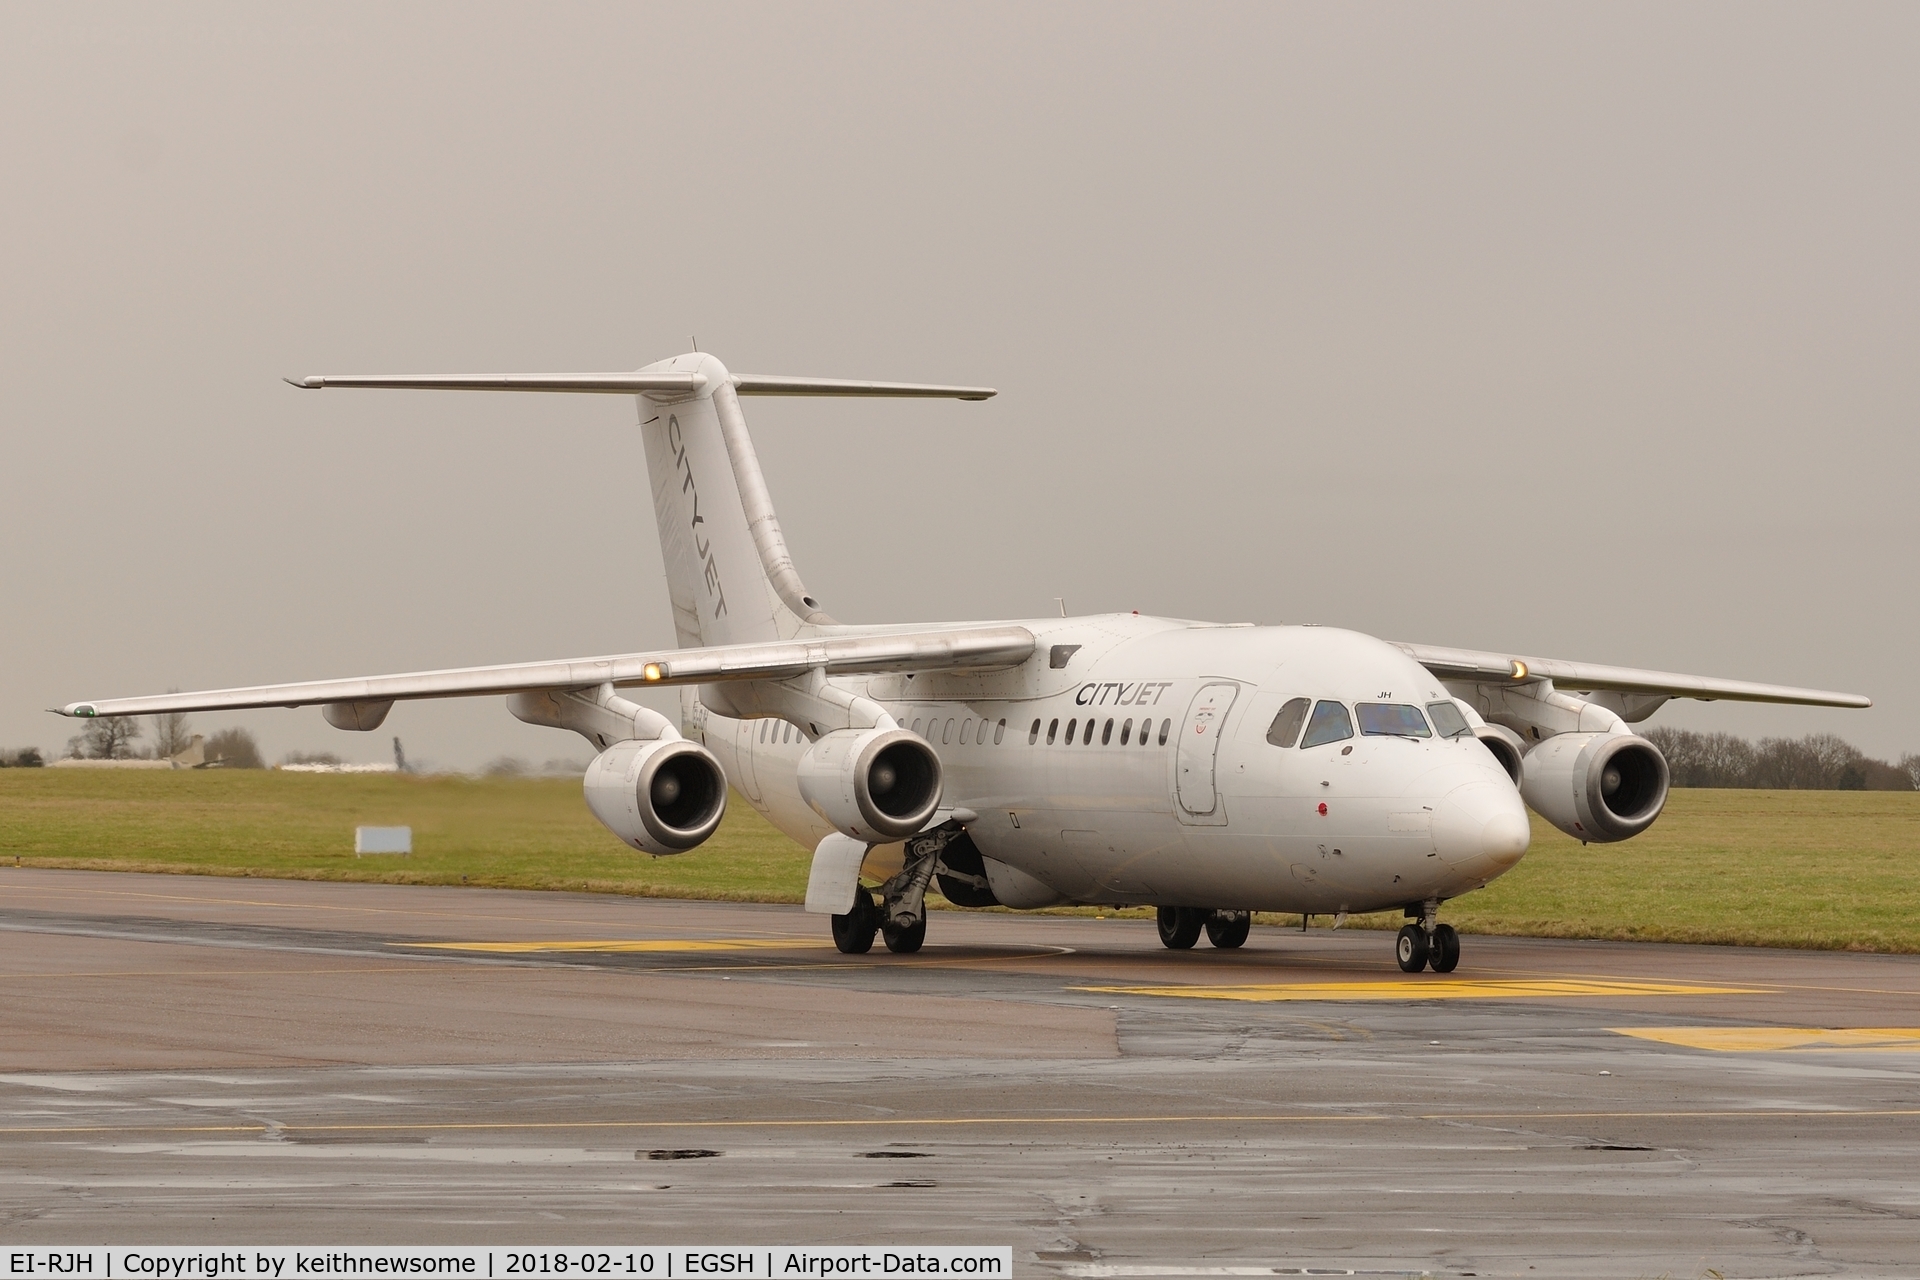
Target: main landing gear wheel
(1180,926)
(853,932)
(1410,949)
(904,942)
(1228,929)
(1443,952)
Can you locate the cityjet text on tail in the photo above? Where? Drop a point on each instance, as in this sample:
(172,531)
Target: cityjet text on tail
(1207,770)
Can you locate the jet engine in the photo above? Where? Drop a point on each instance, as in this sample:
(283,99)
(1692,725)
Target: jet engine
(871,784)
(1506,746)
(1596,787)
(660,796)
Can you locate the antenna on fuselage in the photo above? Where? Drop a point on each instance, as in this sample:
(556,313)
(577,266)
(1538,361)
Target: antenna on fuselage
(1062,602)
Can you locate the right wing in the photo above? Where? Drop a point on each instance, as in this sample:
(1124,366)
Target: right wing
(949,649)
(1475,666)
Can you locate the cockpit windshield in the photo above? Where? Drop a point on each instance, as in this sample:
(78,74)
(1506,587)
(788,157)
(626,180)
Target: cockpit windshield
(1448,721)
(1329,724)
(1391,720)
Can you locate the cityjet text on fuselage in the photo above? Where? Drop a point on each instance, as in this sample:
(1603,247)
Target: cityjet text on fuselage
(1139,693)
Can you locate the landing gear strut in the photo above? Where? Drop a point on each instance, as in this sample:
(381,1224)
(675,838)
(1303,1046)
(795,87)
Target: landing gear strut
(1428,944)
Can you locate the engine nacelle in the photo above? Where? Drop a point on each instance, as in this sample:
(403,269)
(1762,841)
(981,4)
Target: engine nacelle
(661,796)
(1506,746)
(872,784)
(1596,786)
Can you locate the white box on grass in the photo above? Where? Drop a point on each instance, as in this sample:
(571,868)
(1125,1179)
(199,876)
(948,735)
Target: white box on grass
(382,840)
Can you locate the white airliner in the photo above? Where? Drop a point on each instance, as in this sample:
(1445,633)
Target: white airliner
(1209,771)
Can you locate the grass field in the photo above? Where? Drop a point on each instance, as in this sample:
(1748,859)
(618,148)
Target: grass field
(1817,869)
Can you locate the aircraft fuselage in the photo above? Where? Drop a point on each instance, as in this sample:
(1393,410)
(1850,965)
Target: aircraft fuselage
(1129,762)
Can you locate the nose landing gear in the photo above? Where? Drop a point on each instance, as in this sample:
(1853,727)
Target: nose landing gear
(1428,944)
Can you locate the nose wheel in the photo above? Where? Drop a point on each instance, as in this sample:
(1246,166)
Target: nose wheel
(1416,949)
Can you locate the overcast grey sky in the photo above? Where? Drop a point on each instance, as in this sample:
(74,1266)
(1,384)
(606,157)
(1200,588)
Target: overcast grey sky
(1584,331)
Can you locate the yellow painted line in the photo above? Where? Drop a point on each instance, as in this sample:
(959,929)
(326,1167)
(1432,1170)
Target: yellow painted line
(622,944)
(1781,1039)
(1430,989)
(909,1122)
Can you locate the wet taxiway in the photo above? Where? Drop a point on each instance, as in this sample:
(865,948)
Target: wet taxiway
(203,1060)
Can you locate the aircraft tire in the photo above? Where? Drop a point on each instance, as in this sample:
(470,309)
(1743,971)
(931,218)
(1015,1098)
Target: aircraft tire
(1410,948)
(1179,927)
(1444,955)
(904,942)
(853,932)
(1229,929)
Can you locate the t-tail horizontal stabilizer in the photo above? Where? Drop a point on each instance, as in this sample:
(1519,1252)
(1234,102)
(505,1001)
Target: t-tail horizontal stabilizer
(649,384)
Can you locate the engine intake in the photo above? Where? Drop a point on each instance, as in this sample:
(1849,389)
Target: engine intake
(1599,787)
(1506,746)
(872,784)
(662,796)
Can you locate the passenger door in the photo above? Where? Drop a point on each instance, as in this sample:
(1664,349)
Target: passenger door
(1196,791)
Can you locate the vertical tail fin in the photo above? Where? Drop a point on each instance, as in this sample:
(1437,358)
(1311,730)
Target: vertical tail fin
(729,574)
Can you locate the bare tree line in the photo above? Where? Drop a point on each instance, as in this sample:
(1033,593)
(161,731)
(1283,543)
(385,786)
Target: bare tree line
(1817,762)
(118,738)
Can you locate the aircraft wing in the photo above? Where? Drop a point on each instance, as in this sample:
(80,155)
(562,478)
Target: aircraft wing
(1482,667)
(950,649)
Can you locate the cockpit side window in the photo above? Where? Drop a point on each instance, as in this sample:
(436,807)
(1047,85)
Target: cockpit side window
(1391,720)
(1448,720)
(1330,723)
(1285,729)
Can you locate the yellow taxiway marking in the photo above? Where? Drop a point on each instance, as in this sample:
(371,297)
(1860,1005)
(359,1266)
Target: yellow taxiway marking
(1431,989)
(1778,1039)
(623,944)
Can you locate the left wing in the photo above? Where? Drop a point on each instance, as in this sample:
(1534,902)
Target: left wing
(948,649)
(1481,667)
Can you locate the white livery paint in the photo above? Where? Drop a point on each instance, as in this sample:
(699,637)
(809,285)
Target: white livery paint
(1209,771)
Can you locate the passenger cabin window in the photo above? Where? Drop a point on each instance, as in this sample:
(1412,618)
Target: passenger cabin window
(1106,734)
(1126,732)
(1448,721)
(1088,740)
(1072,726)
(1391,720)
(1053,727)
(1166,726)
(1330,723)
(1033,734)
(1285,729)
(1000,731)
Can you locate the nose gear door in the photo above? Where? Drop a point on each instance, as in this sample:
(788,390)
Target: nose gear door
(1196,797)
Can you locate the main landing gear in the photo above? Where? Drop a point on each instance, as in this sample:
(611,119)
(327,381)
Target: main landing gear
(902,920)
(853,933)
(1427,944)
(1180,927)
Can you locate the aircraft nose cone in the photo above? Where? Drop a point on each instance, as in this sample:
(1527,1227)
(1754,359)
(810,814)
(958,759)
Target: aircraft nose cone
(1482,826)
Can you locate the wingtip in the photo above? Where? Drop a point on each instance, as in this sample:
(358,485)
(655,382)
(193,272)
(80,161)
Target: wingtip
(305,384)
